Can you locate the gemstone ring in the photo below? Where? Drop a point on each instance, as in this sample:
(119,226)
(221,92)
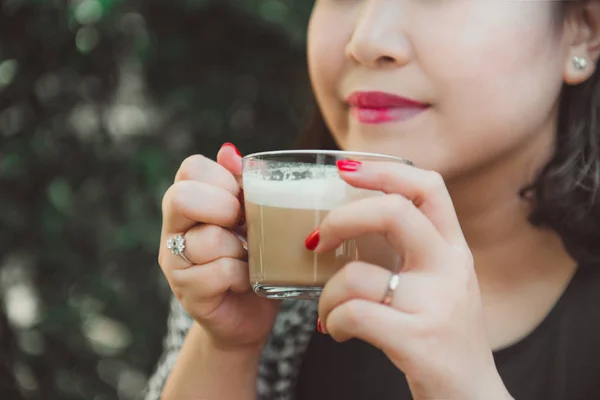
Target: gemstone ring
(177,246)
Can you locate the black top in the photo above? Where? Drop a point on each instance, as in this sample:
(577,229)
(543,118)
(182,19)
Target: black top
(559,360)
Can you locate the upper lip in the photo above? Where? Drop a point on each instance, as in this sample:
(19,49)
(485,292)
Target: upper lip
(379,100)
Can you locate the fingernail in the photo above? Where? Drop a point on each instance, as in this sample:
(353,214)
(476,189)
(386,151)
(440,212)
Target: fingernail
(312,240)
(319,326)
(348,165)
(233,147)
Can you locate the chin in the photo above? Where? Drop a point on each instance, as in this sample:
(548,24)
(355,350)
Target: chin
(389,145)
(421,153)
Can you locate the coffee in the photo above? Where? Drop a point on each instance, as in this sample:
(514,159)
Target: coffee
(280,215)
(277,254)
(287,196)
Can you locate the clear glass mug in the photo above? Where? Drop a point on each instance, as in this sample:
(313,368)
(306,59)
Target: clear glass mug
(287,195)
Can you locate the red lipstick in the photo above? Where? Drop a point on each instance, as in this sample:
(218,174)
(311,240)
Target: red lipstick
(380,107)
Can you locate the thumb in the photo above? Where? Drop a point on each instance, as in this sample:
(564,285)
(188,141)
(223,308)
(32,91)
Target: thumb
(231,158)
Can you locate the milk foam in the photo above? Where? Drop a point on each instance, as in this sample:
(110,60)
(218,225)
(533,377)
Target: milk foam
(323,194)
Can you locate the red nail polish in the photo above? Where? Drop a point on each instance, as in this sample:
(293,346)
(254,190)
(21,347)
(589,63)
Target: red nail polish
(312,241)
(348,165)
(233,147)
(319,326)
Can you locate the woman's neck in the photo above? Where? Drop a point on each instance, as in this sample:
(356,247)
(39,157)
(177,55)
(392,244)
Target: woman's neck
(522,270)
(495,218)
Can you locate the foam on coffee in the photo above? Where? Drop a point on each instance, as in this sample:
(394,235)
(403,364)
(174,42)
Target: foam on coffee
(324,193)
(283,211)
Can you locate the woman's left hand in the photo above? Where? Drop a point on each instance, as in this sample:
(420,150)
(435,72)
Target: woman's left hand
(433,330)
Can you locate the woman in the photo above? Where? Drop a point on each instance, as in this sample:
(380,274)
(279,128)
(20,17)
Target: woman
(502,266)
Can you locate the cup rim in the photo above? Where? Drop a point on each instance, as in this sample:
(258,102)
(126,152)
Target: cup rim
(328,152)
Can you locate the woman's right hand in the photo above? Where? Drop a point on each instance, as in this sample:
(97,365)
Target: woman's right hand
(203,205)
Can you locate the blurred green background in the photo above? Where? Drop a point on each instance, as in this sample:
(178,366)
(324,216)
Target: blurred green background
(100,100)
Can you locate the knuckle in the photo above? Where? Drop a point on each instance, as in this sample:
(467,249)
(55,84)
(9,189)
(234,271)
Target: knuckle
(229,209)
(434,181)
(466,280)
(427,331)
(393,206)
(213,237)
(463,278)
(179,195)
(383,178)
(227,271)
(467,257)
(444,310)
(331,221)
(175,196)
(236,206)
(464,273)
(438,317)
(165,200)
(350,276)
(353,313)
(190,167)
(396,204)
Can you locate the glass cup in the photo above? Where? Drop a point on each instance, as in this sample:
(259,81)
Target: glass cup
(287,195)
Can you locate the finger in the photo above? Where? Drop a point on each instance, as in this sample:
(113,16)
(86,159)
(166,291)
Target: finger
(230,158)
(426,189)
(407,229)
(201,169)
(359,280)
(188,202)
(203,282)
(374,323)
(203,244)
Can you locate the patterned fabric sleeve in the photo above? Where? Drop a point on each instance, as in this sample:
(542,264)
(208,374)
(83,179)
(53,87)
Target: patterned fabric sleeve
(280,360)
(179,323)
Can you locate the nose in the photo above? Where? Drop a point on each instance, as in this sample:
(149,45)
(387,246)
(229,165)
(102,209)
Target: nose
(379,39)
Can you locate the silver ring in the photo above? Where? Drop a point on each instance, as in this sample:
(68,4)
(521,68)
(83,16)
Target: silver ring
(177,246)
(391,289)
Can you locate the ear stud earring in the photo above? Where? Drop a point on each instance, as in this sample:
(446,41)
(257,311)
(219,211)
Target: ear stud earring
(580,63)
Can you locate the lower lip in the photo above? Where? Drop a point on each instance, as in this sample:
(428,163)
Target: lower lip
(373,116)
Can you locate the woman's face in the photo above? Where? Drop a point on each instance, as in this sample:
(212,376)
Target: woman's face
(486,76)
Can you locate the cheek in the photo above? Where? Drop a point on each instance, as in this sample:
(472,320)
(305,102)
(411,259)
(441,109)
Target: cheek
(497,82)
(324,48)
(327,60)
(506,47)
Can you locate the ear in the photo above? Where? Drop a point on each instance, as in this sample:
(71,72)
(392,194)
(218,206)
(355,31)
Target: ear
(583,25)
